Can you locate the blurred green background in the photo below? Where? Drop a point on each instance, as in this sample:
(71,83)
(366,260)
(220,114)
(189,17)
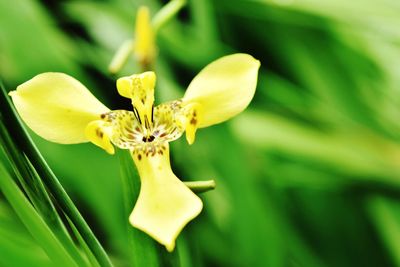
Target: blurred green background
(308,175)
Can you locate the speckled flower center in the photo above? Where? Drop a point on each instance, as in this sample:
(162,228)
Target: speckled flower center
(128,133)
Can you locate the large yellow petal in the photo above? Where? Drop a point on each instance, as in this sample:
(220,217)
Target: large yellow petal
(57,107)
(224,88)
(165,204)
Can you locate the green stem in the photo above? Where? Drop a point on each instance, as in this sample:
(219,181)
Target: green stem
(166,13)
(201,186)
(25,143)
(93,261)
(37,194)
(121,56)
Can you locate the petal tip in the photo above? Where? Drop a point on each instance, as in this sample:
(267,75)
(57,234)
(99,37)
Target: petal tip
(165,236)
(12,93)
(170,247)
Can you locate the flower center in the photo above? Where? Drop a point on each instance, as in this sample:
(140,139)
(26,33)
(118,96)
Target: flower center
(128,132)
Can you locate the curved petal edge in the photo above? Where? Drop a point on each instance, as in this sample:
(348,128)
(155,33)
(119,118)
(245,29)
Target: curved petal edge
(165,204)
(57,107)
(224,88)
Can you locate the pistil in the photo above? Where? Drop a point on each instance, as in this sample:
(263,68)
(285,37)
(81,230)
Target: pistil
(140,89)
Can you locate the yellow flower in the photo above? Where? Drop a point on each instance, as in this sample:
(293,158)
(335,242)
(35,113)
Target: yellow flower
(143,45)
(60,109)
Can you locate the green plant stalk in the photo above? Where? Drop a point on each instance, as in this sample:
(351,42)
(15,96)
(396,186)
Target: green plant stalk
(26,176)
(15,126)
(200,186)
(37,194)
(121,56)
(93,261)
(32,220)
(166,13)
(383,214)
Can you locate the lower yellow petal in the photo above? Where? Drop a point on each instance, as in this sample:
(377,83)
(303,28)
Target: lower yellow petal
(57,107)
(165,204)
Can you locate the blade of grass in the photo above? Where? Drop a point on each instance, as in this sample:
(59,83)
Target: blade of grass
(32,220)
(385,216)
(89,254)
(37,194)
(368,155)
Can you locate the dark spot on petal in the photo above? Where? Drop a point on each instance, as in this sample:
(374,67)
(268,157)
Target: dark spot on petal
(193,121)
(102,116)
(128,129)
(99,133)
(139,157)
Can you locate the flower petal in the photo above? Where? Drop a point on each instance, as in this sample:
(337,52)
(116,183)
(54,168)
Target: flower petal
(57,107)
(140,88)
(99,134)
(224,88)
(165,204)
(145,49)
(188,118)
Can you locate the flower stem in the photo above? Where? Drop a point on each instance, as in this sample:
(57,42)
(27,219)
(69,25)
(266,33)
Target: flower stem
(121,56)
(166,13)
(201,186)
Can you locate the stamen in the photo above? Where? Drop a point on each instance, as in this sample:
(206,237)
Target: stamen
(152,114)
(140,89)
(137,115)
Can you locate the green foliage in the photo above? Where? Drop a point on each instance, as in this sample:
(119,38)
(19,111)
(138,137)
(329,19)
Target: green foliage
(308,175)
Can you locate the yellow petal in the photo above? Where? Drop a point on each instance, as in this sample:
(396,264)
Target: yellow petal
(165,204)
(99,134)
(57,107)
(191,115)
(224,88)
(145,46)
(140,88)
